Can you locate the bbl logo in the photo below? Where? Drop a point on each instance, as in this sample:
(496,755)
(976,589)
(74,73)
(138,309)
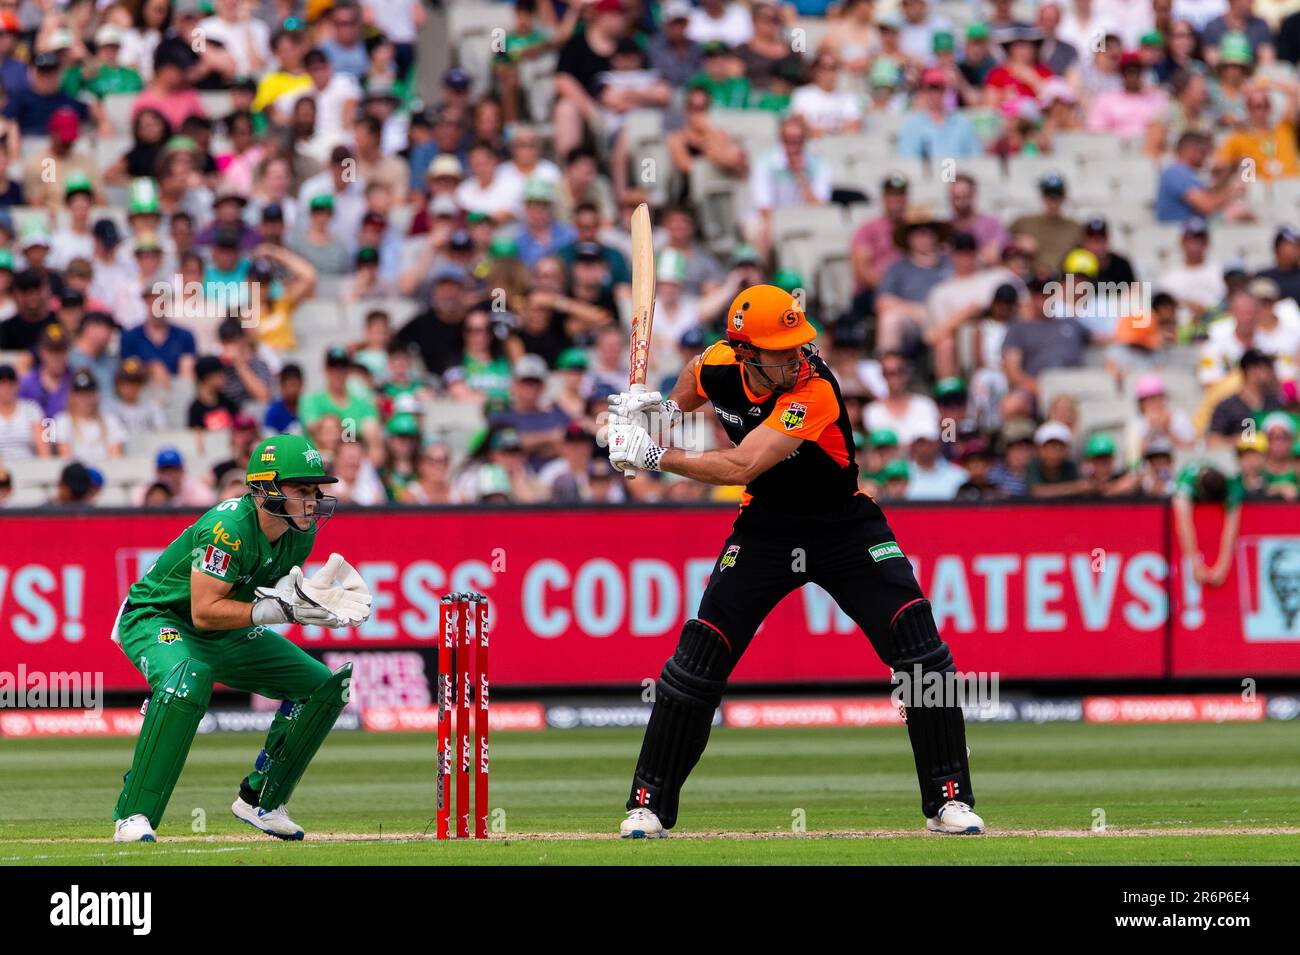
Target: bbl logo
(729,558)
(268,453)
(168,634)
(793,416)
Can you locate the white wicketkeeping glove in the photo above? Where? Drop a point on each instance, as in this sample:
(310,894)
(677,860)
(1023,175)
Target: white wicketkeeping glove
(284,604)
(630,447)
(339,589)
(628,404)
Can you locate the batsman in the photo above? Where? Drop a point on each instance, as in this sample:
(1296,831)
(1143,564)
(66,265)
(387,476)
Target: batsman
(202,615)
(802,520)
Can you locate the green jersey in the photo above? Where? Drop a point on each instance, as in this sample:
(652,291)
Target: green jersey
(226,543)
(1185,486)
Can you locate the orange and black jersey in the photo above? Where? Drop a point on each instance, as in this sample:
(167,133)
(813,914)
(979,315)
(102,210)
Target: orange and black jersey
(821,475)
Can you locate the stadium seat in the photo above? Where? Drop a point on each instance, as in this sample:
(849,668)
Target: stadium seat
(805,221)
(37,472)
(117,107)
(217,104)
(537,78)
(1083,384)
(1253,244)
(806,35)
(33,495)
(127,471)
(469,26)
(756,130)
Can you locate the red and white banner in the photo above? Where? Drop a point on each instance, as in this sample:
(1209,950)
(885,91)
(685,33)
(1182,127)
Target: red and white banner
(598,597)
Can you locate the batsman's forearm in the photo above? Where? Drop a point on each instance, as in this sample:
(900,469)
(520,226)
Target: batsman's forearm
(723,468)
(223,614)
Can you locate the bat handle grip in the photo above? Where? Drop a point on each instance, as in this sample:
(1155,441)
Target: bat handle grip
(636,388)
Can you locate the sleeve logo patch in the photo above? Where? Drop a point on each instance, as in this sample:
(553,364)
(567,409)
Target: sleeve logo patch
(885,551)
(792,417)
(219,536)
(729,558)
(215,561)
(168,634)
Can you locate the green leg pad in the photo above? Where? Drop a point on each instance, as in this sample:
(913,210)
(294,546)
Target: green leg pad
(170,722)
(309,724)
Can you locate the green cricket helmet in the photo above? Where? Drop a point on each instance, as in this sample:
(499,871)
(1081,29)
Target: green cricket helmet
(289,459)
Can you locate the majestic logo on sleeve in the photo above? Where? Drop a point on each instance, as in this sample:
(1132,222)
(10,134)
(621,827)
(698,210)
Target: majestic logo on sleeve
(792,417)
(215,561)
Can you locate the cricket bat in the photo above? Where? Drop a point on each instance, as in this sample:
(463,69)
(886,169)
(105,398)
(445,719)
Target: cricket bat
(643,301)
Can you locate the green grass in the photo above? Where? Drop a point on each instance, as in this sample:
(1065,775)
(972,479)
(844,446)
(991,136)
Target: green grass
(1038,788)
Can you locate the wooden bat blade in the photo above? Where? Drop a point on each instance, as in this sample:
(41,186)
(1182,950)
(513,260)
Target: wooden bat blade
(643,294)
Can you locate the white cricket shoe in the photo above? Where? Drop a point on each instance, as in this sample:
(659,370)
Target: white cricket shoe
(956,819)
(274,822)
(134,829)
(641,823)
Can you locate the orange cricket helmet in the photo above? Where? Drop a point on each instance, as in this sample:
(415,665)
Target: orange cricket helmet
(765,316)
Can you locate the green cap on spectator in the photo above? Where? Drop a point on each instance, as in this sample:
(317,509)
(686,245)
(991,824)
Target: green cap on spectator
(572,359)
(884,438)
(180,144)
(404,425)
(504,247)
(474,218)
(367,255)
(1235,48)
(943,42)
(493,481)
(672,267)
(896,470)
(745,254)
(143,198)
(538,190)
(977,31)
(1100,445)
(884,73)
(6,260)
(324,202)
(787,280)
(78,182)
(948,387)
(1152,39)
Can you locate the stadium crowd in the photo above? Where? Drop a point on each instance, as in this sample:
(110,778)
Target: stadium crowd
(190,185)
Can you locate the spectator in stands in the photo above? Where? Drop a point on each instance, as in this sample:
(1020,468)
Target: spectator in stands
(1238,413)
(76,486)
(1265,146)
(1155,417)
(354,408)
(1229,338)
(1238,20)
(32,313)
(540,426)
(721,21)
(901,297)
(673,55)
(873,250)
(1101,473)
(680,233)
(539,235)
(1127,112)
(901,411)
(1050,233)
(318,241)
(1035,343)
(47,383)
(582,182)
(698,139)
(166,349)
(989,232)
(436,331)
(138,414)
(34,105)
(1181,194)
(82,431)
(1197,282)
(1021,75)
(1011,474)
(787,176)
(92,347)
(1285,270)
(210,410)
(1277,332)
(931,476)
(22,430)
(931,130)
(959,300)
(825,107)
(1188,110)
(1279,470)
(1052,471)
(248,378)
(282,413)
(976,458)
(579,74)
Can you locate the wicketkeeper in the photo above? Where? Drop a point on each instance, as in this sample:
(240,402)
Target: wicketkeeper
(202,615)
(802,520)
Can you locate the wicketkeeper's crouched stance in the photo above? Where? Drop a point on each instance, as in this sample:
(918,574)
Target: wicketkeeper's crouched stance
(803,520)
(200,616)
